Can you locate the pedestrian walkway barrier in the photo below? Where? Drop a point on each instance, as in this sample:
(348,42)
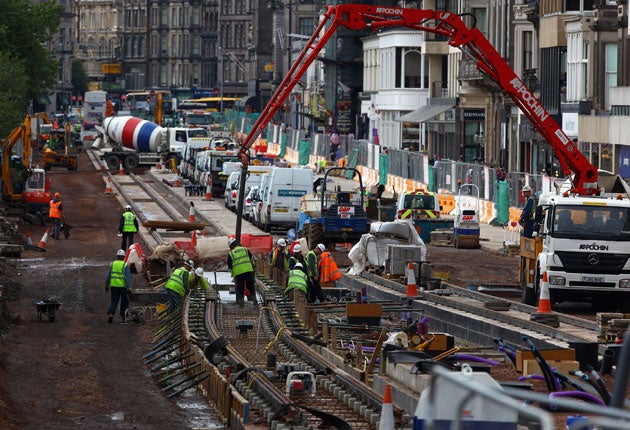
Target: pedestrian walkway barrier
(257,244)
(512,233)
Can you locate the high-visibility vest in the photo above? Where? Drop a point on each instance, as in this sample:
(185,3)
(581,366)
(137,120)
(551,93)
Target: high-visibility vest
(297,279)
(240,261)
(532,213)
(328,270)
(176,281)
(312,264)
(128,225)
(199,283)
(117,275)
(54,211)
(274,258)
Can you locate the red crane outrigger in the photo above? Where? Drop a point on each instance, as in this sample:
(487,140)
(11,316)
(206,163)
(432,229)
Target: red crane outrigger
(472,43)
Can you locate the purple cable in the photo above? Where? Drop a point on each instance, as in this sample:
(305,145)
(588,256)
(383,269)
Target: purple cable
(475,358)
(507,351)
(579,395)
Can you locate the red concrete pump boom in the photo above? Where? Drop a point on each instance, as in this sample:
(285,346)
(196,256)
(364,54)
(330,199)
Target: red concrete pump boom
(472,43)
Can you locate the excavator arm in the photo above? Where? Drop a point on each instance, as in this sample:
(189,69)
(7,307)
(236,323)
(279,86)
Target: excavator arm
(20,133)
(472,43)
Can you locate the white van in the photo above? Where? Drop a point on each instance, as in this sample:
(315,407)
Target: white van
(254,178)
(282,191)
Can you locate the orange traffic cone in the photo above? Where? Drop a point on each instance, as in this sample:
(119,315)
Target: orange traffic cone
(544,301)
(193,239)
(191,212)
(103,165)
(544,315)
(121,170)
(412,288)
(42,242)
(29,241)
(387,411)
(108,187)
(209,190)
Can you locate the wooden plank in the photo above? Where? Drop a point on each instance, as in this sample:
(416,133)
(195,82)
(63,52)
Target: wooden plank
(175,225)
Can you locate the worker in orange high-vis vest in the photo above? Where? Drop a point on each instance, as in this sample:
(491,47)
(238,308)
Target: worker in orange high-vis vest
(328,270)
(55,213)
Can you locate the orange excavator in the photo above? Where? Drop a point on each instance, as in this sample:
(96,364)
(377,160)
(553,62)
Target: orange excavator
(23,186)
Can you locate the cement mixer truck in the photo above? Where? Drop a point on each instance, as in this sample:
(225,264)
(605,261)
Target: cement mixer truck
(136,142)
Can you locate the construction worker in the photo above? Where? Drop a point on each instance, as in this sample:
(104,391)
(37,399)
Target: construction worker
(297,279)
(197,281)
(177,285)
(118,280)
(312,268)
(297,257)
(279,256)
(328,270)
(240,261)
(528,215)
(55,214)
(127,227)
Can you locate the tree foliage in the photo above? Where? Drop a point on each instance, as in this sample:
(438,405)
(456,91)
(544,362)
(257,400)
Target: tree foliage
(25,29)
(80,79)
(13,93)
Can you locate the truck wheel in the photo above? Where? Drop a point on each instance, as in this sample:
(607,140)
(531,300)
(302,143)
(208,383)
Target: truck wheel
(131,162)
(304,234)
(113,162)
(315,234)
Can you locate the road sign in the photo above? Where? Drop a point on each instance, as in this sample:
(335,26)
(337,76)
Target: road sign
(111,68)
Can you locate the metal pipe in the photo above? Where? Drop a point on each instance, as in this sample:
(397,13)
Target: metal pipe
(177,384)
(192,384)
(184,369)
(174,359)
(623,372)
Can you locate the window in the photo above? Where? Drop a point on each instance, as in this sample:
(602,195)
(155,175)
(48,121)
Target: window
(528,50)
(306,26)
(611,71)
(482,19)
(578,5)
(164,20)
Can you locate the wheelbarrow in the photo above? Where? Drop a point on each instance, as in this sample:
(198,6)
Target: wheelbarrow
(47,307)
(65,229)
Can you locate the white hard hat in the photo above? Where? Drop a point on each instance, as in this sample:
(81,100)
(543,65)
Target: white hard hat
(527,188)
(199,271)
(282,242)
(297,265)
(120,253)
(321,247)
(231,241)
(297,248)
(188,263)
(128,207)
